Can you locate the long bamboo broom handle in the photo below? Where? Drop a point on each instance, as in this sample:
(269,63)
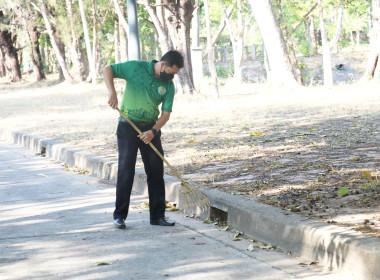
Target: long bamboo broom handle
(152,146)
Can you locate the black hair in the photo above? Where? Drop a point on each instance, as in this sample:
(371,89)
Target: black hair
(173,58)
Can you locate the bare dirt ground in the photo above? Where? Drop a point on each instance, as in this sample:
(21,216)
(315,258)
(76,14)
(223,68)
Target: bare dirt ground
(313,151)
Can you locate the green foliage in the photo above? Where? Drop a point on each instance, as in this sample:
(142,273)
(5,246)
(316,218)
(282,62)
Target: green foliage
(146,30)
(224,71)
(304,47)
(343,191)
(355,18)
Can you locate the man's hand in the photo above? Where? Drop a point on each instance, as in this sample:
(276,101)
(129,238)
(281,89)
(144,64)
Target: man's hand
(146,136)
(113,101)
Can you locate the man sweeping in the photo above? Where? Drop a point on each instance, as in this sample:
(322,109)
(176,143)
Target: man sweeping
(148,85)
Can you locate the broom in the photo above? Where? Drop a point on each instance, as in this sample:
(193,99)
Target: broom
(192,197)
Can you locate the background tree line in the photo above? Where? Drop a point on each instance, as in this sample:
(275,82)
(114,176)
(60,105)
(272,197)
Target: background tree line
(77,38)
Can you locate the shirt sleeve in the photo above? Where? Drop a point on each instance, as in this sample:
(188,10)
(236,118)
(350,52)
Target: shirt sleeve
(124,70)
(167,103)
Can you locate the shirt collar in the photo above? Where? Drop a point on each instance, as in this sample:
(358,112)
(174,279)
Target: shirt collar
(151,67)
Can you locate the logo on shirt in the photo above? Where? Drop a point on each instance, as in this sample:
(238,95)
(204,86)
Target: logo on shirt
(161,90)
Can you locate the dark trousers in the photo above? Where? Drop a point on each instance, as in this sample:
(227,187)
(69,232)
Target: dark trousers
(128,144)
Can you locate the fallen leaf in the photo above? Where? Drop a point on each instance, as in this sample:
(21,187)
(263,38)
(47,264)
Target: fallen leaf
(101,263)
(343,191)
(255,134)
(225,228)
(368,175)
(251,248)
(145,204)
(268,247)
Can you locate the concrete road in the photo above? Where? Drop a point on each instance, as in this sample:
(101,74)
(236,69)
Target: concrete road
(57,224)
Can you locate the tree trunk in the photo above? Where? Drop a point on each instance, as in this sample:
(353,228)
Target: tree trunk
(164,40)
(94,32)
(352,40)
(33,36)
(123,44)
(195,42)
(339,26)
(53,39)
(20,56)
(237,43)
(61,47)
(123,32)
(160,14)
(210,49)
(278,57)
(90,58)
(48,60)
(358,39)
(7,40)
(178,15)
(313,36)
(43,56)
(156,47)
(75,45)
(2,62)
(121,16)
(221,27)
(96,48)
(327,69)
(238,55)
(266,66)
(373,66)
(83,59)
(116,42)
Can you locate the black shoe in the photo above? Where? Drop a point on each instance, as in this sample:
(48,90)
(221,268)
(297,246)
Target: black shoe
(161,222)
(119,223)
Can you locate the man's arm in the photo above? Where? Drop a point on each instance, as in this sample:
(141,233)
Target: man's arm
(108,79)
(147,136)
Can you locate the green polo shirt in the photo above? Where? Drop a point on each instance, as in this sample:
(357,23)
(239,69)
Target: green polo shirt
(144,92)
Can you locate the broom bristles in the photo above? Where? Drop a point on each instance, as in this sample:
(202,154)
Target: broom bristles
(194,199)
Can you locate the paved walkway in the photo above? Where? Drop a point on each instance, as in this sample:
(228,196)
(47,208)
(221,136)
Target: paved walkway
(56,224)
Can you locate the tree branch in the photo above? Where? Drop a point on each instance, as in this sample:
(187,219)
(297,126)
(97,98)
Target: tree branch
(105,17)
(220,30)
(227,19)
(121,17)
(304,17)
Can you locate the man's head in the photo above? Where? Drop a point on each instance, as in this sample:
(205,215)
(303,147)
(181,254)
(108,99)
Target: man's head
(170,64)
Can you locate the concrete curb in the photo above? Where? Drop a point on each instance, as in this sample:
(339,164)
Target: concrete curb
(351,253)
